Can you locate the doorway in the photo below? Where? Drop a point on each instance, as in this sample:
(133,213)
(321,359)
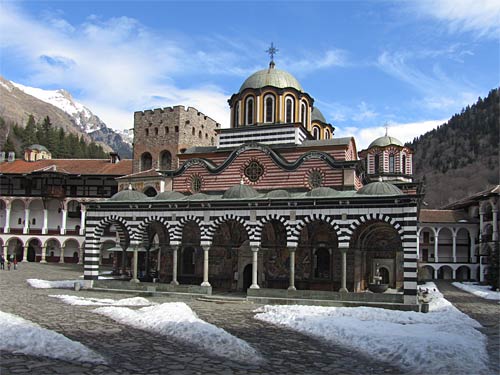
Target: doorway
(247,277)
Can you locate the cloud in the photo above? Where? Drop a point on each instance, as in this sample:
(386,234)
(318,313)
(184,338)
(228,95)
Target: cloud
(405,132)
(364,112)
(328,59)
(481,17)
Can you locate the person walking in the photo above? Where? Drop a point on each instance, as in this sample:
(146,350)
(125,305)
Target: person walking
(8,264)
(2,263)
(15,263)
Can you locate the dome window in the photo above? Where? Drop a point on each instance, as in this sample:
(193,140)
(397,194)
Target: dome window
(289,104)
(327,134)
(254,171)
(249,111)
(236,120)
(196,184)
(303,114)
(377,163)
(269,108)
(391,163)
(315,132)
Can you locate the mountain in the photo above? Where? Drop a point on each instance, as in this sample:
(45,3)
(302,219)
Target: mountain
(460,157)
(19,101)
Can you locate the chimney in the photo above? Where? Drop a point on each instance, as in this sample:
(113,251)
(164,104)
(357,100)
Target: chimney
(114,157)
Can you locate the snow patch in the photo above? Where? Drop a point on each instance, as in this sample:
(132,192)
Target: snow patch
(442,341)
(482,291)
(88,301)
(57,284)
(178,321)
(25,337)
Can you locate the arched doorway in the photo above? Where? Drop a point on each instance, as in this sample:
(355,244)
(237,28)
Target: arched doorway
(190,267)
(156,261)
(247,276)
(276,258)
(384,274)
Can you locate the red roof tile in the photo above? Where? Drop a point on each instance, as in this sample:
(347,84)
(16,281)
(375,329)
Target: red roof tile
(442,216)
(71,166)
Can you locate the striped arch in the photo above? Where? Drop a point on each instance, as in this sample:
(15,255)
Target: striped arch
(140,233)
(110,220)
(257,237)
(317,217)
(177,236)
(210,232)
(377,217)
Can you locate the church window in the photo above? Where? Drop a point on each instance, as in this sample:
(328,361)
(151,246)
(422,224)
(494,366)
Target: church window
(249,111)
(147,132)
(404,164)
(254,171)
(165,160)
(269,108)
(315,132)
(327,134)
(289,110)
(315,179)
(156,131)
(237,115)
(200,134)
(196,184)
(303,113)
(391,163)
(192,131)
(377,163)
(146,161)
(166,129)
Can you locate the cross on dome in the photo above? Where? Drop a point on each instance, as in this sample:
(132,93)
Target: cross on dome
(272,51)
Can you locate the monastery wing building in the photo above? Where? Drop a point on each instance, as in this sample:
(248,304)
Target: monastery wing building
(274,206)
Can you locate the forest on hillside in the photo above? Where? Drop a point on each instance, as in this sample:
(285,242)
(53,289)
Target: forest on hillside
(460,157)
(61,145)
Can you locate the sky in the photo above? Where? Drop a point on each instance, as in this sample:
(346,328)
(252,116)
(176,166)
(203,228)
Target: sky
(407,65)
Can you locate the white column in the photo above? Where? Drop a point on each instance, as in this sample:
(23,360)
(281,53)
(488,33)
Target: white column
(134,271)
(292,268)
(26,221)
(5,252)
(174,267)
(83,213)
(80,255)
(453,274)
(436,245)
(44,254)
(64,218)
(61,258)
(481,226)
(240,114)
(6,228)
(255,253)
(205,266)
(343,287)
(454,247)
(25,253)
(435,274)
(45,221)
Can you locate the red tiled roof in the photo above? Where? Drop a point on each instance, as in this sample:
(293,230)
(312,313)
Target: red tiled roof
(71,166)
(442,216)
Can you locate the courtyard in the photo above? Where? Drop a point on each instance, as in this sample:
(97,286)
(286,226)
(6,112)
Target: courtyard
(130,350)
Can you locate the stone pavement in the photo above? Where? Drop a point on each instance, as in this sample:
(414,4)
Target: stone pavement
(486,312)
(132,351)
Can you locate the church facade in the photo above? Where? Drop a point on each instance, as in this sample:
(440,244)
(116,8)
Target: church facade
(273,206)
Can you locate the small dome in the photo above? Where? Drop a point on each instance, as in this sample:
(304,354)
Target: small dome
(322,192)
(271,77)
(240,191)
(128,195)
(278,194)
(37,147)
(199,197)
(385,141)
(169,196)
(316,115)
(380,188)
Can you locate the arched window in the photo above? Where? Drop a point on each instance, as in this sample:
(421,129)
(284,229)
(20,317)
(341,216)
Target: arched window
(403,164)
(327,134)
(249,111)
(377,163)
(147,132)
(146,161)
(200,134)
(391,163)
(192,131)
(289,109)
(303,114)
(156,131)
(315,132)
(236,115)
(188,261)
(165,160)
(269,108)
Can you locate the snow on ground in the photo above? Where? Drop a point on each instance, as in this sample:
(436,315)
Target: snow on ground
(57,284)
(442,341)
(179,322)
(88,301)
(482,291)
(22,336)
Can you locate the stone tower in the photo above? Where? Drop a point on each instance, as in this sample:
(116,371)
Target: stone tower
(161,134)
